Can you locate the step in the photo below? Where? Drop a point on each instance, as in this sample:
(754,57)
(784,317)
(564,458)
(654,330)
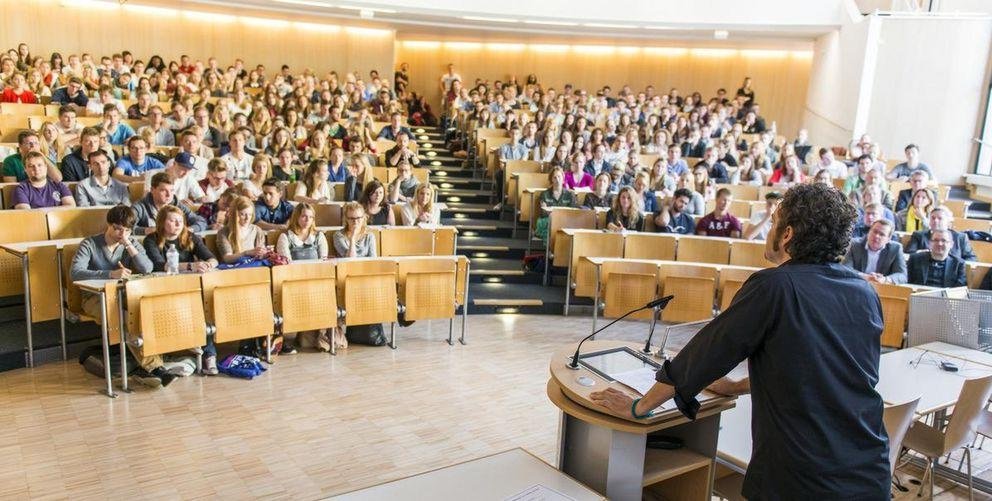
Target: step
(514,298)
(480,227)
(494,247)
(458,210)
(494,271)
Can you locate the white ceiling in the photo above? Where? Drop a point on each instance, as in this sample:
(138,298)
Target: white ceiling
(753,22)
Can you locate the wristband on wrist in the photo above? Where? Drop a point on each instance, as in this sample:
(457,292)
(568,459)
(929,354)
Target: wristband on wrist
(633,410)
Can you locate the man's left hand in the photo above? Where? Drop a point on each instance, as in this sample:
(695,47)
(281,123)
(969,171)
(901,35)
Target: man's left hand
(614,400)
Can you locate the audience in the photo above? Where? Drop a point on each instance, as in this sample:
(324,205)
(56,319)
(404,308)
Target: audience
(876,257)
(421,209)
(915,217)
(600,197)
(37,191)
(100,188)
(938,266)
(28,141)
(216,183)
(314,188)
(240,238)
(720,222)
(673,218)
(557,195)
(162,193)
(373,200)
(903,171)
(302,240)
(918,180)
(942,219)
(135,166)
(271,211)
(180,171)
(405,185)
(626,212)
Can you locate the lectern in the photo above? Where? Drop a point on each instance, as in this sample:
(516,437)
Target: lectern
(610,452)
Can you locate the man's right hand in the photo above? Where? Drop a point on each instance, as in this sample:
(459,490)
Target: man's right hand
(120,272)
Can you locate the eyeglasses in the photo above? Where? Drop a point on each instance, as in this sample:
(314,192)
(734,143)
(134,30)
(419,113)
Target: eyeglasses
(359,218)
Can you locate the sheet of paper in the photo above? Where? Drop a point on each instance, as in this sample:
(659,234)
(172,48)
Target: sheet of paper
(538,492)
(641,380)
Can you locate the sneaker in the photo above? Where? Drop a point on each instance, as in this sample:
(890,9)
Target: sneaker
(165,376)
(149,380)
(94,366)
(288,349)
(210,365)
(323,342)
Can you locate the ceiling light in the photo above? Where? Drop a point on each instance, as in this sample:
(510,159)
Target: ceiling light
(373,9)
(331,28)
(490,19)
(550,23)
(660,28)
(721,34)
(146,9)
(311,3)
(608,25)
(265,23)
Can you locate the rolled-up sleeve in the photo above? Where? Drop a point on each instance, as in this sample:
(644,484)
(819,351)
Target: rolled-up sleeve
(723,343)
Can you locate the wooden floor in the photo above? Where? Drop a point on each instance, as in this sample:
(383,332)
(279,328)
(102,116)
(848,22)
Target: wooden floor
(313,426)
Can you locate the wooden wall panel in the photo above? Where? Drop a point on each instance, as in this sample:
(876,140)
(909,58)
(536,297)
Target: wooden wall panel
(780,77)
(48,26)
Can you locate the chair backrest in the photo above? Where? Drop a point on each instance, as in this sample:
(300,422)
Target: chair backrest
(7,190)
(983,250)
(76,222)
(729,281)
(328,214)
(742,192)
(564,217)
(591,244)
(461,280)
(967,411)
(382,174)
(305,294)
(626,285)
(976,273)
(406,241)
(703,249)
(239,303)
(526,180)
(167,312)
(749,253)
(369,296)
(741,209)
(965,224)
(694,287)
(22,109)
(895,309)
(897,419)
(659,246)
(728,290)
(445,240)
(427,287)
(15,227)
(958,207)
(509,179)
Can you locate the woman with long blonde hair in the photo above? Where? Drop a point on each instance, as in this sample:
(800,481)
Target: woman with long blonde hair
(302,240)
(422,209)
(240,237)
(625,215)
(314,188)
(52,144)
(261,169)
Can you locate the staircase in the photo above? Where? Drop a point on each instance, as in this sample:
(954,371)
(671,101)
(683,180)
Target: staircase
(498,282)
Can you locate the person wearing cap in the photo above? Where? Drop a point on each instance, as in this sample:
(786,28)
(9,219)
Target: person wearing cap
(134,166)
(180,171)
(99,188)
(761,221)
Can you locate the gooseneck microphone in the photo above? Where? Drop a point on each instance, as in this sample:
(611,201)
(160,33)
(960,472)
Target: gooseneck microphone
(659,303)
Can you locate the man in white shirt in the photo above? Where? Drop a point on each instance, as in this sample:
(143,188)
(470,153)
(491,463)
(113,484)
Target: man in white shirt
(94,107)
(238,159)
(180,170)
(448,78)
(827,161)
(761,221)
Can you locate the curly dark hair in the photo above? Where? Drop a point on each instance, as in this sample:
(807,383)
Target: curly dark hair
(821,221)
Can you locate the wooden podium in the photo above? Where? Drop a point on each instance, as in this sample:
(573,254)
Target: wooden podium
(609,452)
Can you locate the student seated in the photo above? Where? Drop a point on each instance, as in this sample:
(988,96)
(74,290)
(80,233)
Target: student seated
(240,237)
(359,174)
(395,128)
(37,191)
(903,171)
(216,182)
(373,200)
(625,215)
(314,188)
(761,221)
(720,222)
(137,164)
(938,267)
(876,257)
(302,240)
(354,239)
(577,177)
(641,187)
(915,216)
(402,152)
(13,165)
(404,186)
(100,188)
(113,255)
(117,131)
(194,257)
(918,180)
(555,196)
(162,193)
(181,172)
(271,211)
(674,217)
(421,209)
(600,196)
(942,219)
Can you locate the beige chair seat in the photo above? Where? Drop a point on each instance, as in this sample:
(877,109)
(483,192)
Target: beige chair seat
(924,439)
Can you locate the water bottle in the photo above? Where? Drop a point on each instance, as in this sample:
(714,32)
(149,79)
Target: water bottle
(172,260)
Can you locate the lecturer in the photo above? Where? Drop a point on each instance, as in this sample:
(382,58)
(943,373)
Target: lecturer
(810,330)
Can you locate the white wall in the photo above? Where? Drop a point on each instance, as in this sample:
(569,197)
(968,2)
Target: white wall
(928,88)
(842,62)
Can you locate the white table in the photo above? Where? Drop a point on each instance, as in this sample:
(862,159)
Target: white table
(99,287)
(952,350)
(495,477)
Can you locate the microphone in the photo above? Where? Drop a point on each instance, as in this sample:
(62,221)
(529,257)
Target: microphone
(660,304)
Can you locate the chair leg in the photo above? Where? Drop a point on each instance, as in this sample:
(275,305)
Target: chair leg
(392,335)
(451,331)
(971,487)
(933,473)
(923,479)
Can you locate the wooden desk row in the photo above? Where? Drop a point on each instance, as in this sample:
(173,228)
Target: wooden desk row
(32,262)
(167,313)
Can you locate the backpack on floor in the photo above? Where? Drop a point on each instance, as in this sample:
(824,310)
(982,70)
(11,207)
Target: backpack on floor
(370,335)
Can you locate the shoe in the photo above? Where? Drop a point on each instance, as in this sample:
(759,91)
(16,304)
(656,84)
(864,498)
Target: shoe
(210,365)
(150,380)
(94,366)
(288,349)
(323,342)
(165,376)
